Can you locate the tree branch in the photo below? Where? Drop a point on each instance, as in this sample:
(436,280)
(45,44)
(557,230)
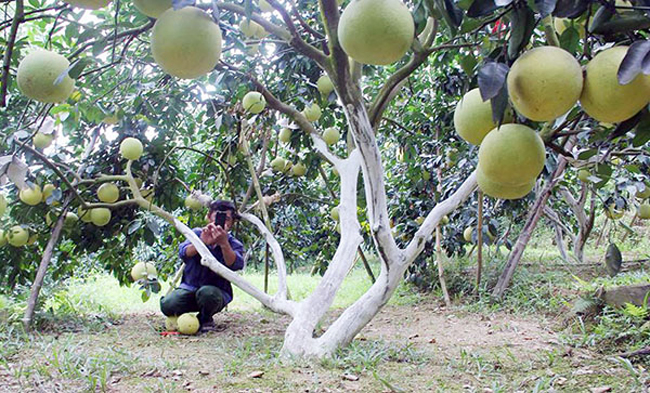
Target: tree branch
(11,41)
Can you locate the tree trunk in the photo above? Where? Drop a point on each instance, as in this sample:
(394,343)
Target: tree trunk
(42,269)
(531,222)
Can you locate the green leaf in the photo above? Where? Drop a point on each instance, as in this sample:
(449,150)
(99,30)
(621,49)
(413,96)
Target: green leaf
(468,64)
(642,132)
(521,27)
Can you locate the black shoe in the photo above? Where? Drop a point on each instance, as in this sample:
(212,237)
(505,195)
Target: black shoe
(207,327)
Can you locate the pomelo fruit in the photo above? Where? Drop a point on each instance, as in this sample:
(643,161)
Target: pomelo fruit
(188,324)
(254,102)
(561,24)
(444,220)
(108,193)
(603,98)
(152,8)
(84,214)
(312,112)
(48,189)
(331,135)
(193,203)
(583,175)
(89,4)
(252,29)
(299,169)
(42,141)
(17,236)
(644,211)
(473,117)
(545,83)
(376,32)
(512,155)
(639,194)
(31,195)
(278,164)
(100,216)
(37,74)
(467,234)
(171,324)
(285,135)
(325,85)
(186,43)
(131,148)
(70,219)
(501,191)
(143,270)
(334,213)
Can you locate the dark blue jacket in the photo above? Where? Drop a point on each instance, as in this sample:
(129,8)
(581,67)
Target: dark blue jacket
(196,275)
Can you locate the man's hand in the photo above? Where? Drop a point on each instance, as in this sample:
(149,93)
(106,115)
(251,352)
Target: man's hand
(208,235)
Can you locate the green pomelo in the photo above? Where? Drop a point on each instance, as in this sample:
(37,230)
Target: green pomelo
(467,234)
(100,216)
(89,4)
(583,175)
(545,83)
(376,32)
(31,196)
(473,117)
(312,112)
(299,169)
(501,191)
(188,324)
(186,43)
(70,219)
(331,135)
(285,135)
(37,74)
(17,236)
(48,189)
(325,85)
(152,8)
(108,193)
(639,194)
(143,270)
(278,164)
(131,148)
(334,213)
(644,211)
(603,98)
(42,141)
(84,214)
(193,203)
(254,102)
(512,155)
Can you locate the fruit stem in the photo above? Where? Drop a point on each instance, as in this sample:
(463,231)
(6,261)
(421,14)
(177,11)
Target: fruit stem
(549,30)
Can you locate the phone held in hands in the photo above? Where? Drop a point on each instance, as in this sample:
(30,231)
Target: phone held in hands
(220,219)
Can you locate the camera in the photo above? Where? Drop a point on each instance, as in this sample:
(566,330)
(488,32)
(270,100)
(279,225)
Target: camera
(220,219)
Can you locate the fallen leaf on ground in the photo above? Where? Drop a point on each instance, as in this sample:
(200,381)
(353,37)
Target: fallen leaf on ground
(256,374)
(350,377)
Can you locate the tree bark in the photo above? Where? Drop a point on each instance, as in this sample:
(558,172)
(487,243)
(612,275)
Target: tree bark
(531,222)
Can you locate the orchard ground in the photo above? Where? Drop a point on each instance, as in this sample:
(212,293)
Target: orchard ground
(101,337)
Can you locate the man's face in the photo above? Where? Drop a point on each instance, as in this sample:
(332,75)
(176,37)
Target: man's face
(229,220)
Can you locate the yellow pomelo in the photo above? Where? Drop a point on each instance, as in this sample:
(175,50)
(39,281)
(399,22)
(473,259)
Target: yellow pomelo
(644,211)
(473,117)
(501,191)
(254,102)
(419,220)
(131,148)
(142,270)
(3,205)
(31,196)
(186,43)
(325,85)
(299,169)
(17,236)
(3,238)
(312,112)
(467,234)
(603,98)
(331,135)
(42,141)
(48,189)
(152,8)
(285,135)
(278,164)
(84,214)
(561,24)
(444,220)
(193,203)
(376,32)
(334,213)
(512,155)
(37,73)
(171,324)
(89,4)
(188,324)
(545,83)
(108,193)
(100,216)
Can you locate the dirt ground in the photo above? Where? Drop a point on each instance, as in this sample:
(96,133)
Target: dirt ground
(404,349)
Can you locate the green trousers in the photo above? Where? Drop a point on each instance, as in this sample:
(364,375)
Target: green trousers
(207,300)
